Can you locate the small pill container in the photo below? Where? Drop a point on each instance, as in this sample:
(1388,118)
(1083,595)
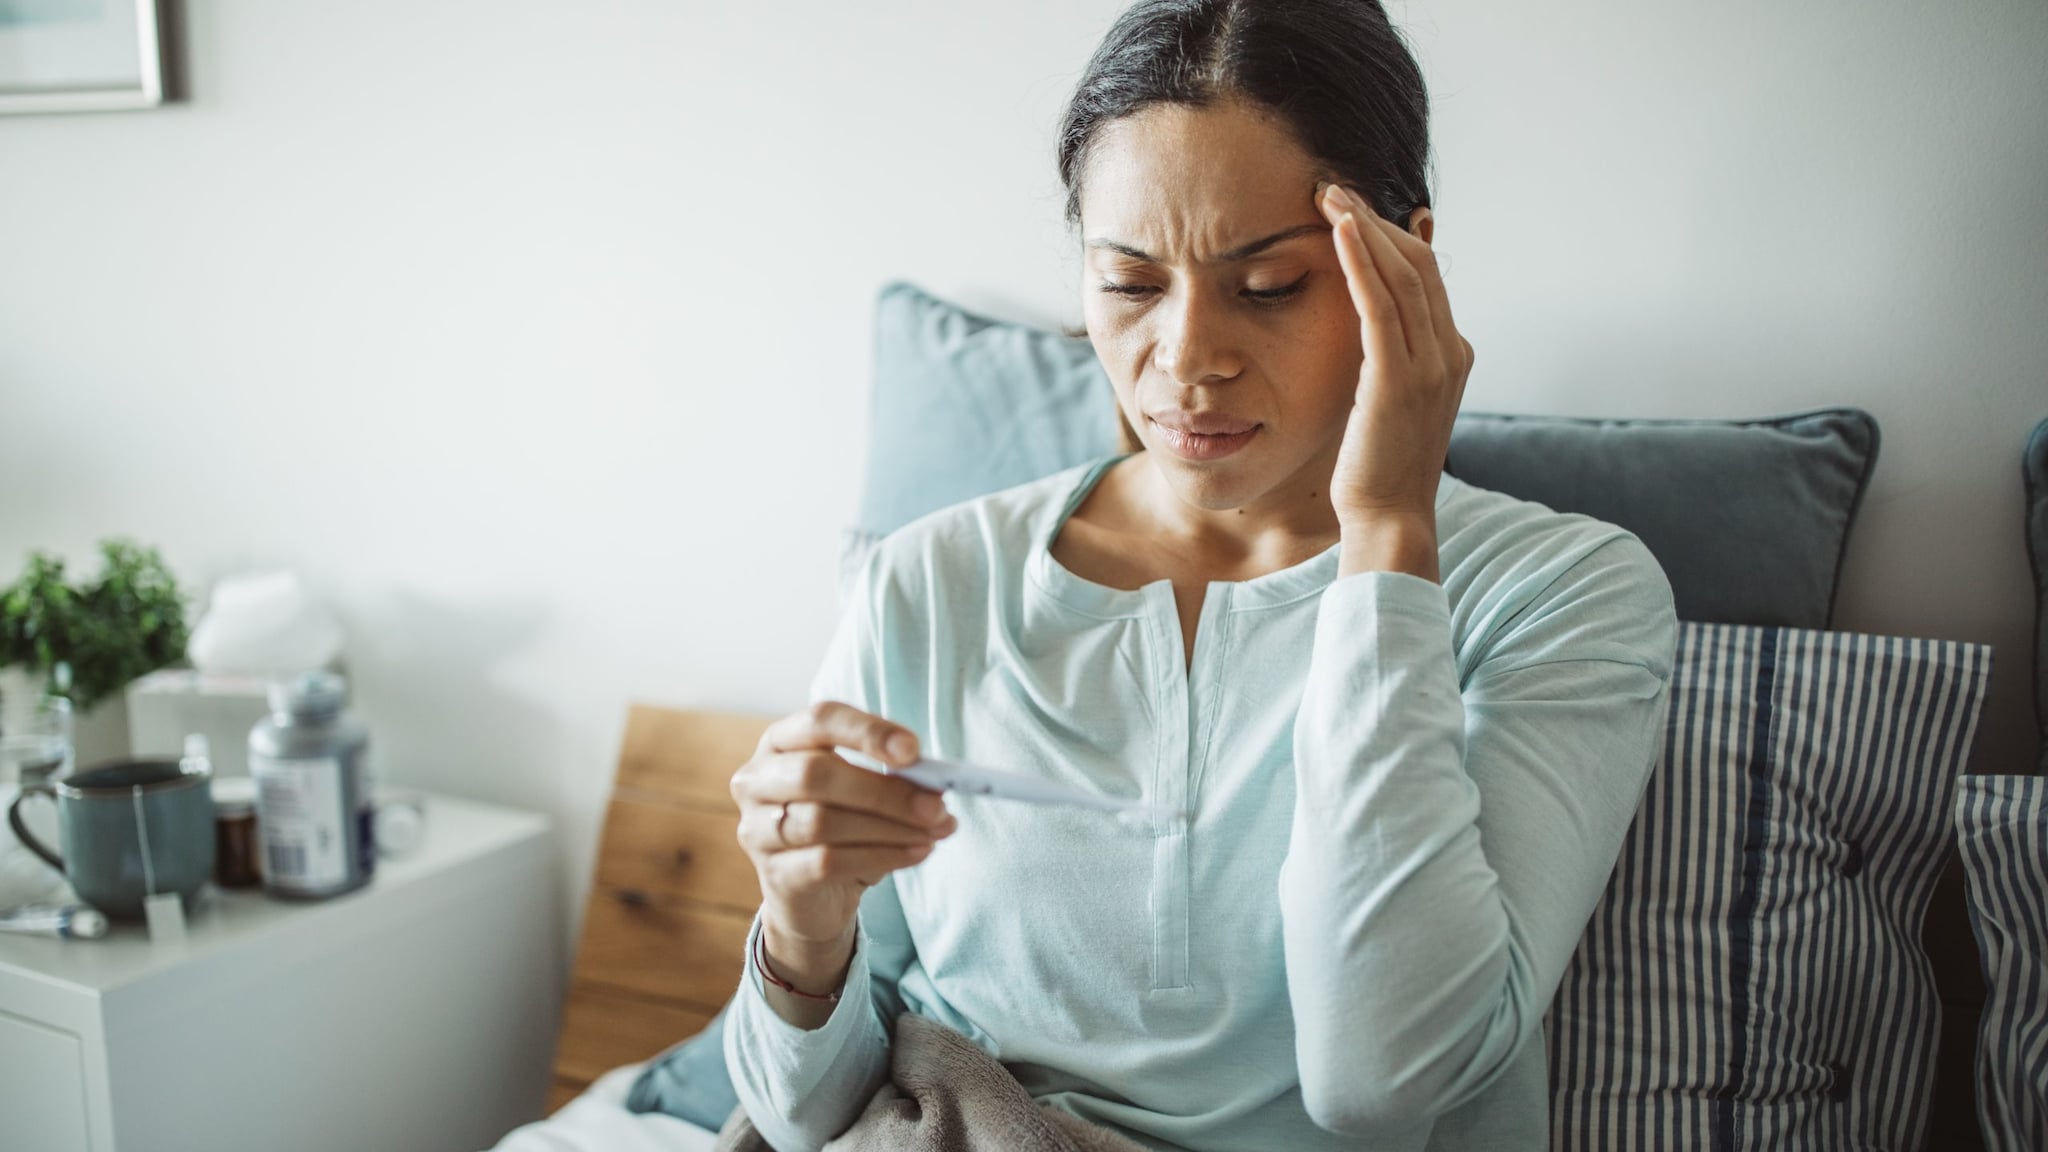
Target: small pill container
(237,845)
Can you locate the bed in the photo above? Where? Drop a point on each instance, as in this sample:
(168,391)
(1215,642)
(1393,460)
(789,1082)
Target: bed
(673,895)
(596,1120)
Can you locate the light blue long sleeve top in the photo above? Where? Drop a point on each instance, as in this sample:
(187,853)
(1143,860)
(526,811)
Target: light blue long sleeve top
(1402,800)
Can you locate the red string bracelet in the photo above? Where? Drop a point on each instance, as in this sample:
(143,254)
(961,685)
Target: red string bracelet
(768,974)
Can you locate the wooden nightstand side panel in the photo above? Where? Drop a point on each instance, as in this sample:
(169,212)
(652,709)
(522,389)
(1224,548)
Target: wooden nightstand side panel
(662,948)
(602,1030)
(671,900)
(687,755)
(662,848)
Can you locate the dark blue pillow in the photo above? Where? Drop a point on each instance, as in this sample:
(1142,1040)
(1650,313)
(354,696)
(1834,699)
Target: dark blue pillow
(1748,517)
(689,1081)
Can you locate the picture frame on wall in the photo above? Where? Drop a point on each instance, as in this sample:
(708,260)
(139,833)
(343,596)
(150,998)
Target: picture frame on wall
(79,55)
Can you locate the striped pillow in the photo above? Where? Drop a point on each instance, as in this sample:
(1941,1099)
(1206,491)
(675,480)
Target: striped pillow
(1752,978)
(2002,827)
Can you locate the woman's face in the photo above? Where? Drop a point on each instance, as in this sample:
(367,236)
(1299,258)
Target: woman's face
(1213,296)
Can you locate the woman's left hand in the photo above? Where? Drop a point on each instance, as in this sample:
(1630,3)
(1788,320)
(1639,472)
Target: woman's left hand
(1412,378)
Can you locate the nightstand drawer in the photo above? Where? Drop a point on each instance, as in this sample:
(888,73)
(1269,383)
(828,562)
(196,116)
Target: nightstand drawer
(42,1085)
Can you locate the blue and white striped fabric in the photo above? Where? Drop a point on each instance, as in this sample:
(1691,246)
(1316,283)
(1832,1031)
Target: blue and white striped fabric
(2002,829)
(1753,978)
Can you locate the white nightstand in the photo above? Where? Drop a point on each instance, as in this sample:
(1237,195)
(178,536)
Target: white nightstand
(415,1015)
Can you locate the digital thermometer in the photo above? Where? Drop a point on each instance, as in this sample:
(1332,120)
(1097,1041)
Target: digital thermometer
(953,776)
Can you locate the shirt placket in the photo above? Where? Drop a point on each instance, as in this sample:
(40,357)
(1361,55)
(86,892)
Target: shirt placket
(1181,741)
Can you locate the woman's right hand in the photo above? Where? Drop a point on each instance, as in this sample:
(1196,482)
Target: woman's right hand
(847,827)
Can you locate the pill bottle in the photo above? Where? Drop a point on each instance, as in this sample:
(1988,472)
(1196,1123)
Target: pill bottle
(313,801)
(237,846)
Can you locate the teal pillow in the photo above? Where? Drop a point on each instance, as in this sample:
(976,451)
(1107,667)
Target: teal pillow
(965,405)
(689,1080)
(1748,517)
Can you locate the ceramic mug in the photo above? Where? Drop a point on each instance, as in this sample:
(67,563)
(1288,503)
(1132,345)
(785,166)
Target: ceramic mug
(130,829)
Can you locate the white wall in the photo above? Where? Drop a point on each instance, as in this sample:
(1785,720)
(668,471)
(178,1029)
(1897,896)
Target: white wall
(536,334)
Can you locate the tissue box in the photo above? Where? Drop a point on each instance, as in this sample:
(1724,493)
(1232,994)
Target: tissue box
(168,704)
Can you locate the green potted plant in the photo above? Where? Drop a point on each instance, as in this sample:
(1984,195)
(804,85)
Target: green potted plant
(87,640)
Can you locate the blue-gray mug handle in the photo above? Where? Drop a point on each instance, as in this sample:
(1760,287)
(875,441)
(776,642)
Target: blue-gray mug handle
(21,832)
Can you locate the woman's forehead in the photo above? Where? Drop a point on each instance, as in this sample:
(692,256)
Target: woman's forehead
(1193,184)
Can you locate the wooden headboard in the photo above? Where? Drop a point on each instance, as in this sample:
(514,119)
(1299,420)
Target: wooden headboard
(665,925)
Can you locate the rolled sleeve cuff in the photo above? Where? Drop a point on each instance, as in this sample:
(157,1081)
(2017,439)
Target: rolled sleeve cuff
(1365,595)
(780,1066)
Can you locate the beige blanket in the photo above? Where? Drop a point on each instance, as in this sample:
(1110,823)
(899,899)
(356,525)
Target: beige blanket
(947,1095)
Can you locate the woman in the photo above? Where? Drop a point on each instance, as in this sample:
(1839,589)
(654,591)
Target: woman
(1408,720)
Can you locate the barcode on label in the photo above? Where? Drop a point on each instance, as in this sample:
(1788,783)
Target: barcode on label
(287,860)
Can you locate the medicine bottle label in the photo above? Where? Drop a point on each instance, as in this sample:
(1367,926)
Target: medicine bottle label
(305,831)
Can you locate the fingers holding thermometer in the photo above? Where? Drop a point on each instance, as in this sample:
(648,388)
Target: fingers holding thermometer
(821,829)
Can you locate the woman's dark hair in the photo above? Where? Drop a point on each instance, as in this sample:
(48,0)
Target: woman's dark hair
(1335,71)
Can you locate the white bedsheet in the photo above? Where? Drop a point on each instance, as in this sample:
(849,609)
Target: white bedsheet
(597,1121)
